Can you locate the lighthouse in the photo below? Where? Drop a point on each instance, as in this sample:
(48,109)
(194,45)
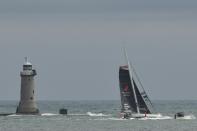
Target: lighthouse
(27,104)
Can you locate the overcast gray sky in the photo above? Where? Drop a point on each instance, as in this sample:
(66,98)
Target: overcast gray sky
(75,46)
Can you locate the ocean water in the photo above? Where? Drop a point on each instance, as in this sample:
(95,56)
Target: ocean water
(97,116)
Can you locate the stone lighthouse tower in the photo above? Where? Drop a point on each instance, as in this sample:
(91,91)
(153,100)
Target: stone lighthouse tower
(27,104)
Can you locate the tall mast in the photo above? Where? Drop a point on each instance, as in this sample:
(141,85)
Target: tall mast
(131,77)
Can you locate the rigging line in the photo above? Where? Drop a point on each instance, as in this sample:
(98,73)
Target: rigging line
(142,86)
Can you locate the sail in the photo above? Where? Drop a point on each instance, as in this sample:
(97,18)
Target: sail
(127,94)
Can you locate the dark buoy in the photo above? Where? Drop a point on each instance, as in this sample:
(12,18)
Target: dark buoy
(63,111)
(178,115)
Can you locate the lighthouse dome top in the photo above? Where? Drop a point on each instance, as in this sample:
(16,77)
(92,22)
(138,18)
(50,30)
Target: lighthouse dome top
(27,62)
(27,65)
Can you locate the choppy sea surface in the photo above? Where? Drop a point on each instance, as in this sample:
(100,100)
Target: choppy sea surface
(97,116)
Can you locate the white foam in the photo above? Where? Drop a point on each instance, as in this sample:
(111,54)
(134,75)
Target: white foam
(49,114)
(19,115)
(190,117)
(107,119)
(14,115)
(149,117)
(96,114)
(77,114)
(157,118)
(118,119)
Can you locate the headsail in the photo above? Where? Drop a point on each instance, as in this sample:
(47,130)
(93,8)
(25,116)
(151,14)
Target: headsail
(133,96)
